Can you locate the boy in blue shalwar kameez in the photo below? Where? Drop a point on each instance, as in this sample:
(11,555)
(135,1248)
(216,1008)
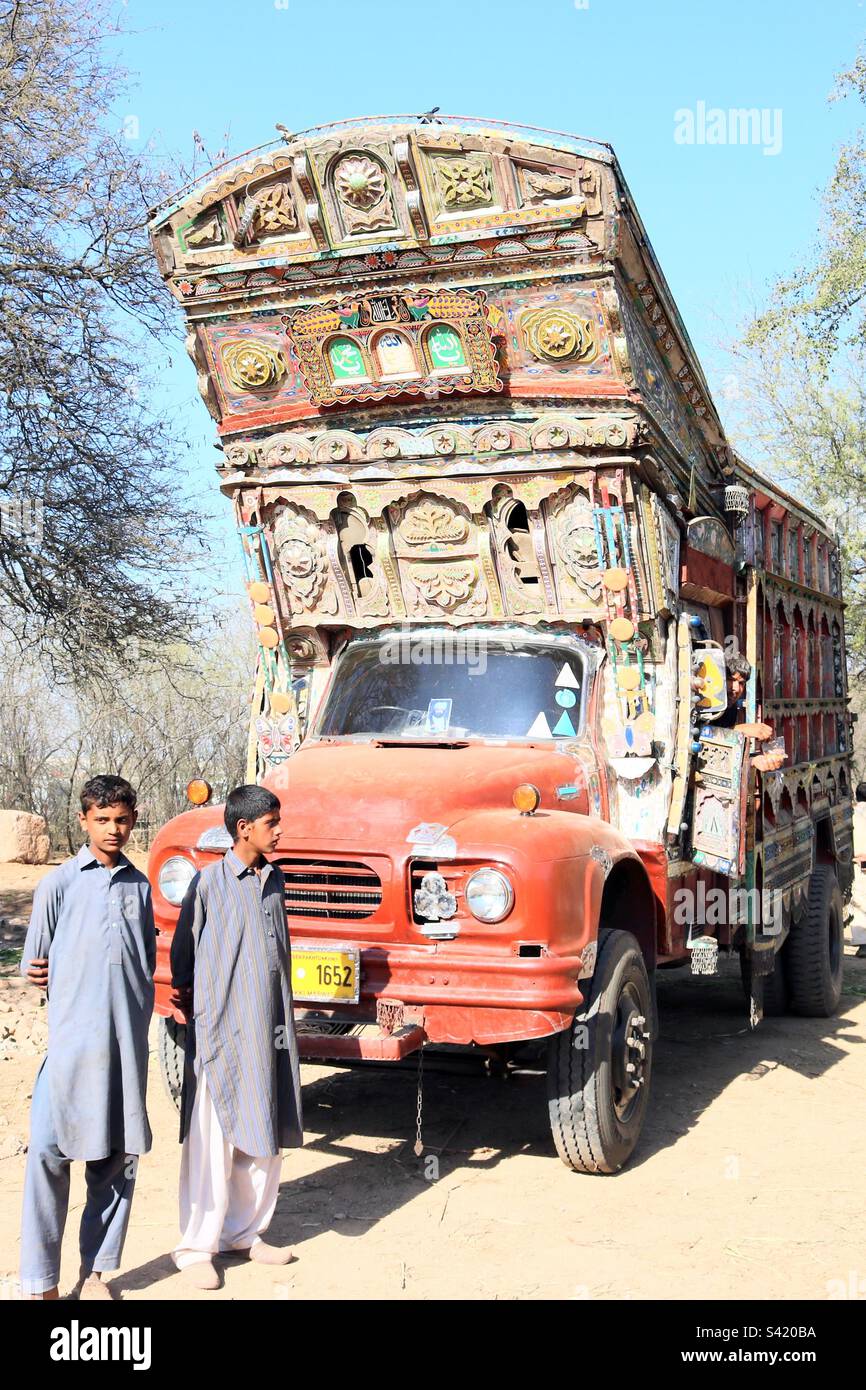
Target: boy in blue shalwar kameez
(91,944)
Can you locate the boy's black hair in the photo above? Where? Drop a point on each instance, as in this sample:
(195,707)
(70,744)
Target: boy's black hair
(738,665)
(860,793)
(107,791)
(248,803)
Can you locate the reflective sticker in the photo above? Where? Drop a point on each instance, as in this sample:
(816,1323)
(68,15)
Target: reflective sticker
(601,856)
(563,724)
(568,791)
(539,728)
(566,698)
(621,629)
(615,580)
(637,740)
(587,960)
(566,677)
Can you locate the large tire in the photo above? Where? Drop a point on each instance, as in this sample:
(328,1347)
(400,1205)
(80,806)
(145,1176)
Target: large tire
(172,1038)
(596,1105)
(815,951)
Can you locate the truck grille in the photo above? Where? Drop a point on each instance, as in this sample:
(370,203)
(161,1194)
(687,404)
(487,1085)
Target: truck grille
(339,889)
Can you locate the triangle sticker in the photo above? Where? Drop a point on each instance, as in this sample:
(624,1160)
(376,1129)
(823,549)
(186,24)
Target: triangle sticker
(564,724)
(566,677)
(539,728)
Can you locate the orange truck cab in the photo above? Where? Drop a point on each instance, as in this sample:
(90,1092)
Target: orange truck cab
(500,559)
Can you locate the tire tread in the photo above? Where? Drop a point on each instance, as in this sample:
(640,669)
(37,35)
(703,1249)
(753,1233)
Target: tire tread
(807,945)
(573,1084)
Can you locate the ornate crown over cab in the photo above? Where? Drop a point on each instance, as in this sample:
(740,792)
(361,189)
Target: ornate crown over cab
(420,218)
(440,355)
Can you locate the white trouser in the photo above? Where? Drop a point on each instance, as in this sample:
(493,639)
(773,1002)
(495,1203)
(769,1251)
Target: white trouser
(227,1197)
(857,929)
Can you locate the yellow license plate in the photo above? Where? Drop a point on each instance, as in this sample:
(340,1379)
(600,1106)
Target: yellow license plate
(326,974)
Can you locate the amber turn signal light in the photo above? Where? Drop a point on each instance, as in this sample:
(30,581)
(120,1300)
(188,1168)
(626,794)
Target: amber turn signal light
(526,798)
(199,792)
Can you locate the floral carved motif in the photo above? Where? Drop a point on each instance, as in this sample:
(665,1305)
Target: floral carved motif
(574,534)
(540,187)
(301,560)
(362,192)
(464,183)
(359,181)
(274,211)
(446,586)
(559,336)
(207,231)
(426,520)
(252,366)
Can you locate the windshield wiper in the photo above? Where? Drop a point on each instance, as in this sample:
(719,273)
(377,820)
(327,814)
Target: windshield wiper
(431,741)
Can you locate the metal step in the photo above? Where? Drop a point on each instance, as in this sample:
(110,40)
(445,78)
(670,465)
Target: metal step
(361,1041)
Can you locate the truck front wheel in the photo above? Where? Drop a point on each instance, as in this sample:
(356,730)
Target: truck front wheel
(598,1071)
(172,1037)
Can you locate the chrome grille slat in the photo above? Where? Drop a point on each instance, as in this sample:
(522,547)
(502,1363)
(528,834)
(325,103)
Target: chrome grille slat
(342,889)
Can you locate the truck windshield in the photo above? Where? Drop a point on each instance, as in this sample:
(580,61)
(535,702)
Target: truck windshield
(509,689)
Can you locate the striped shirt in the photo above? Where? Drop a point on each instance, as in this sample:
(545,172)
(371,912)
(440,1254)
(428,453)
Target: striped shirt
(232,946)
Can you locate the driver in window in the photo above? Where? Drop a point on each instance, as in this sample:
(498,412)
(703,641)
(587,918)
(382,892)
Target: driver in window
(738,672)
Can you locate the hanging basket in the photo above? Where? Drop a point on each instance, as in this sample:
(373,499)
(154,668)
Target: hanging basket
(737,499)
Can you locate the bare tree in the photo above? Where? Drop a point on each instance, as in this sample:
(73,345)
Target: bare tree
(94,530)
(159,725)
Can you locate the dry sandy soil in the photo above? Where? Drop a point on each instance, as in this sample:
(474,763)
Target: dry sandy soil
(748,1182)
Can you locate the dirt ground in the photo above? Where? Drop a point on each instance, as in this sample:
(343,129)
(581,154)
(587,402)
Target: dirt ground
(749,1181)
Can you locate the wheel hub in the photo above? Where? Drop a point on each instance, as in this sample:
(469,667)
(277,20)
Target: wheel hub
(629,1052)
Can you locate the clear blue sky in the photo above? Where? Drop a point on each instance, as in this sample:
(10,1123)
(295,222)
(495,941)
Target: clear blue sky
(725,220)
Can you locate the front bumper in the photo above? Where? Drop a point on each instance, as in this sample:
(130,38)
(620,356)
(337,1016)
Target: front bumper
(455,997)
(462,998)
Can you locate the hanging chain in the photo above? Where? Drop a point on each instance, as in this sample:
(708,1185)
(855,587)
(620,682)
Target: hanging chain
(419,1142)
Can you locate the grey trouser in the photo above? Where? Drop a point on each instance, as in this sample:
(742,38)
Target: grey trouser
(110,1184)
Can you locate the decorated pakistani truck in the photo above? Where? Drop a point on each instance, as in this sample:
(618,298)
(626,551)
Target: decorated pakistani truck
(498,551)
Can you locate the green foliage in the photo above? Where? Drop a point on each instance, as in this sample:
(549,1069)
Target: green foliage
(801,409)
(824,298)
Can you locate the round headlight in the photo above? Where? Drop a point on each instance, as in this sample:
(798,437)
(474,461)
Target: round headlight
(175,876)
(489,895)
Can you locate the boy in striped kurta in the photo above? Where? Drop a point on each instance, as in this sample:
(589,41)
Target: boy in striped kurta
(231,970)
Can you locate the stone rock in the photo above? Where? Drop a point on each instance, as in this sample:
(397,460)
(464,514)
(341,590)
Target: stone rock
(10,1145)
(23,838)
